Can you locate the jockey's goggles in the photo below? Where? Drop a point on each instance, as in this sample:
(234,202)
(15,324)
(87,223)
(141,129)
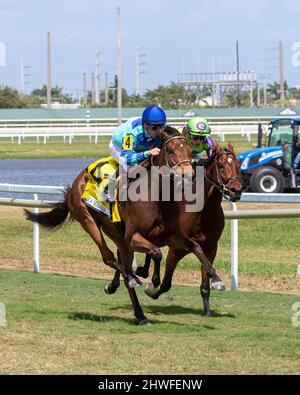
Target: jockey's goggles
(196,137)
(159,126)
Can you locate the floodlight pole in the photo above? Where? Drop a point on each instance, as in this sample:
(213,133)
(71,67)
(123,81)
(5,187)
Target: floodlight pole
(119,88)
(48,70)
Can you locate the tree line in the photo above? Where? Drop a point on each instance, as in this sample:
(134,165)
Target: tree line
(172,96)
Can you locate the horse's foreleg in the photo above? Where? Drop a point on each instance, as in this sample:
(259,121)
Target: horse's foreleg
(205,292)
(143,271)
(115,283)
(216,282)
(210,251)
(138,311)
(172,259)
(140,244)
(126,257)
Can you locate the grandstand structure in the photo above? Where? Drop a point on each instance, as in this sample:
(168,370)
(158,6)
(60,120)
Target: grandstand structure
(218,84)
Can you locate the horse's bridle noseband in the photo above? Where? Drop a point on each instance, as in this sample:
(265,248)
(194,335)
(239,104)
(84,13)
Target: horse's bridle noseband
(165,148)
(220,185)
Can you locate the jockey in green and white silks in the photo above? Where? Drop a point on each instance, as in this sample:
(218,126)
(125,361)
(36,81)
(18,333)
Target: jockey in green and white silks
(197,133)
(138,138)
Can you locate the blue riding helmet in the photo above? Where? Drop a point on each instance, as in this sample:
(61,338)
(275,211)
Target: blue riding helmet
(154,115)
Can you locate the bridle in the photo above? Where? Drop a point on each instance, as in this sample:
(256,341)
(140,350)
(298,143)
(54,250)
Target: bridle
(223,187)
(165,152)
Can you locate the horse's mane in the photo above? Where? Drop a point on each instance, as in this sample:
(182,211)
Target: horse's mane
(227,150)
(171,132)
(208,161)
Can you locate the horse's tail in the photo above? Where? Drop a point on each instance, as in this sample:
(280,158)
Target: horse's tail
(53,218)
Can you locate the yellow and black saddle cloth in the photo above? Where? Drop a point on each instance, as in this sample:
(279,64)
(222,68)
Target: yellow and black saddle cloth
(96,193)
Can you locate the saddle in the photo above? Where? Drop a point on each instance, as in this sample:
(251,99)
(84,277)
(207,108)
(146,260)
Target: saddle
(100,191)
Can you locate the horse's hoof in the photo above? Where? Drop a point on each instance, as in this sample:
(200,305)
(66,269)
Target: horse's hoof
(218,285)
(109,290)
(150,290)
(134,282)
(144,321)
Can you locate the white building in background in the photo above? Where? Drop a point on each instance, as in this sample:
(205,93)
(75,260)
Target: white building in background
(62,106)
(208,102)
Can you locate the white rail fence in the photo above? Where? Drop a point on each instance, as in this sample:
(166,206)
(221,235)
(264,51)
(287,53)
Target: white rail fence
(95,129)
(233,214)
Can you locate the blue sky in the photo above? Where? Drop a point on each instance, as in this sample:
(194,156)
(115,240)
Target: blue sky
(175,36)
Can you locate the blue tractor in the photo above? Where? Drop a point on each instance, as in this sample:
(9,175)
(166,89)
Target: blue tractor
(271,168)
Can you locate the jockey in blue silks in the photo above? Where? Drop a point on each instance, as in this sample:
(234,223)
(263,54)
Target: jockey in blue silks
(138,138)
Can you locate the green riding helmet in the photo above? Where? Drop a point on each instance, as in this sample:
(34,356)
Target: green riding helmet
(198,126)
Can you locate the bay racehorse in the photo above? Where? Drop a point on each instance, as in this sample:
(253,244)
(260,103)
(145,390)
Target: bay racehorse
(204,227)
(145,225)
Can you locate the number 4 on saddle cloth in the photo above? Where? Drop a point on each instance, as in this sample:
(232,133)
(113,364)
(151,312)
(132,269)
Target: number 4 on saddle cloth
(100,190)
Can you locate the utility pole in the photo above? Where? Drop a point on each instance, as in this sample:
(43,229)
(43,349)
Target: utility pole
(48,70)
(238,98)
(93,89)
(213,84)
(119,101)
(106,89)
(258,94)
(96,83)
(22,76)
(137,72)
(251,88)
(84,89)
(265,96)
(281,73)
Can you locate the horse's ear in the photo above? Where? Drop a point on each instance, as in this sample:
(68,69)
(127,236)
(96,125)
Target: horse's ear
(163,134)
(230,147)
(217,148)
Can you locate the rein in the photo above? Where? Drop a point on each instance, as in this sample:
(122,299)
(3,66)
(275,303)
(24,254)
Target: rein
(220,185)
(169,165)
